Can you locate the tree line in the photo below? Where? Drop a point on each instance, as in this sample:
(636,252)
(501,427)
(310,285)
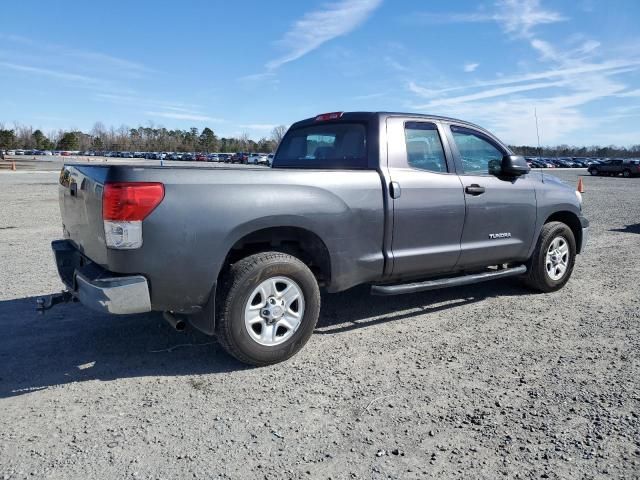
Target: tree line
(144,139)
(161,139)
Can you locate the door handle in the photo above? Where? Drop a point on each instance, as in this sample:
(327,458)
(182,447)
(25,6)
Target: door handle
(394,190)
(474,189)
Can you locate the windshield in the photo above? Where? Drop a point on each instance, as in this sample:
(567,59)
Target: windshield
(329,145)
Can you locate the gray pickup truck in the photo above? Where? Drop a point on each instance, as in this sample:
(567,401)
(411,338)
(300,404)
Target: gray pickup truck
(402,202)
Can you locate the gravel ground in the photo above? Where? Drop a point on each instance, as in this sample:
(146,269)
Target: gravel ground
(487,381)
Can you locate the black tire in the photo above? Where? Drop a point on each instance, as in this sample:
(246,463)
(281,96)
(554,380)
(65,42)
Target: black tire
(537,276)
(593,171)
(241,279)
(626,173)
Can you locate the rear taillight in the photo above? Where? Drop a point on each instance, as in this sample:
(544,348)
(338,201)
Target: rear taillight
(124,206)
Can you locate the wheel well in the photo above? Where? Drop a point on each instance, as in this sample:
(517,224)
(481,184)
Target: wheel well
(572,221)
(299,242)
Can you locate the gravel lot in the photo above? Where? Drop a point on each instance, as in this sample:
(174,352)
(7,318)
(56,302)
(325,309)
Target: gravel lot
(487,381)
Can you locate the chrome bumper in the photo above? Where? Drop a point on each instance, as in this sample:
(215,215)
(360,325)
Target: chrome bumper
(584,223)
(585,237)
(119,295)
(97,288)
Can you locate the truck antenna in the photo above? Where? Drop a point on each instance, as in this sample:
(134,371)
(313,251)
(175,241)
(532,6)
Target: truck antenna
(535,114)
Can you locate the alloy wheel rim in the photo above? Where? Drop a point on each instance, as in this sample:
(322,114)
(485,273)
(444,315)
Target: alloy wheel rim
(274,311)
(557,258)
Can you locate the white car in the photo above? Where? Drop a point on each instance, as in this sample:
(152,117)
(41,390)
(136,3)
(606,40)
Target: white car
(258,159)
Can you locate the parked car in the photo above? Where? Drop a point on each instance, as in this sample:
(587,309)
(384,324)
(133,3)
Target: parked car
(239,157)
(615,167)
(335,210)
(258,159)
(201,157)
(266,160)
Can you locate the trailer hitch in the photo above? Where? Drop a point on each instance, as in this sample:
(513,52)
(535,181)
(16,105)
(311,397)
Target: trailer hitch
(46,303)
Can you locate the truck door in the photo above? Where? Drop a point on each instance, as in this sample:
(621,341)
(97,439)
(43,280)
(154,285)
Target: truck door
(428,203)
(500,212)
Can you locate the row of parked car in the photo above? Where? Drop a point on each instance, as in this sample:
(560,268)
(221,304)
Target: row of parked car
(237,157)
(616,166)
(629,167)
(564,162)
(31,152)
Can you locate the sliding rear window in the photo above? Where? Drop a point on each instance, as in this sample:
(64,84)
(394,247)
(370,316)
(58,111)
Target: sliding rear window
(327,145)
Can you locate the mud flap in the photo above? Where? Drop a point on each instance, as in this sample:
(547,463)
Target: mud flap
(205,319)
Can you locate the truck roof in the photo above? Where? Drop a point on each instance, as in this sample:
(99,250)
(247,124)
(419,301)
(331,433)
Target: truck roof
(367,116)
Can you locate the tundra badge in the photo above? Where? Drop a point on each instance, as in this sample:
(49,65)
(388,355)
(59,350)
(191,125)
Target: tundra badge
(500,235)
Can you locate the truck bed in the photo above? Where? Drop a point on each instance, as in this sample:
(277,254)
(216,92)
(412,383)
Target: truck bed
(205,211)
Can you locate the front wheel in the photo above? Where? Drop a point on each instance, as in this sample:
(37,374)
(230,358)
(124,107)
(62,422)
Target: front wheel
(593,171)
(267,309)
(551,264)
(626,174)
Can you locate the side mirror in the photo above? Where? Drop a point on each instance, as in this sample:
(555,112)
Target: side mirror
(514,166)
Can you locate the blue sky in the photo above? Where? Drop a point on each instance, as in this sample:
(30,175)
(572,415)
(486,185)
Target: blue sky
(245,66)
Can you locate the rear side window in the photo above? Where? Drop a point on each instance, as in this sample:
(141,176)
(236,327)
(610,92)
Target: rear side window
(424,148)
(478,154)
(328,145)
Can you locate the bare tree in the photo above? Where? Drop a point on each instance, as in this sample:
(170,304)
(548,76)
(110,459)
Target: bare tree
(278,133)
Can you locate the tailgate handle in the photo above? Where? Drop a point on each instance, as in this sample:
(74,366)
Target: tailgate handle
(73,189)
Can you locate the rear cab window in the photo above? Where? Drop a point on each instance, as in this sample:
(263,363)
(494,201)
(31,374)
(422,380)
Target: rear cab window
(424,148)
(324,145)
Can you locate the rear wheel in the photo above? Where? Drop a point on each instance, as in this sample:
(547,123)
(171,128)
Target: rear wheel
(593,171)
(551,264)
(268,307)
(626,173)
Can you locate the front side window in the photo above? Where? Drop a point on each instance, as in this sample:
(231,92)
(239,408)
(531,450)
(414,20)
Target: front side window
(478,155)
(424,148)
(324,146)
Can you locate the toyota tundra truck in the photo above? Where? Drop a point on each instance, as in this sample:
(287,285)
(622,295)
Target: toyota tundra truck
(401,202)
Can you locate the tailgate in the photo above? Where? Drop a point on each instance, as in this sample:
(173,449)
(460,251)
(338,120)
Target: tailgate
(80,197)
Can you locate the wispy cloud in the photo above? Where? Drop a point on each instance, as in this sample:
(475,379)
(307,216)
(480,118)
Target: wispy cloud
(185,116)
(257,77)
(470,67)
(320,26)
(567,80)
(97,59)
(52,73)
(259,126)
(516,17)
(370,96)
(491,93)
(610,67)
(139,102)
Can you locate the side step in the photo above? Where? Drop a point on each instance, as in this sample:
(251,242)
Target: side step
(446,282)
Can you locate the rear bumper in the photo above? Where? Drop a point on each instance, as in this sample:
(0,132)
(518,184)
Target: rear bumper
(97,288)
